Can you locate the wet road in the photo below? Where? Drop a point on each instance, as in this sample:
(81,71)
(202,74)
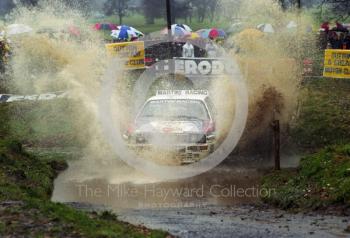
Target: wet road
(210,205)
(237,221)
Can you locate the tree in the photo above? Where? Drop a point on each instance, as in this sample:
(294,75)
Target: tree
(212,7)
(181,9)
(6,6)
(118,7)
(290,3)
(341,8)
(153,9)
(202,7)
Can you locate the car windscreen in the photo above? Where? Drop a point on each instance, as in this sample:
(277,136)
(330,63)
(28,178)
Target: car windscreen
(175,110)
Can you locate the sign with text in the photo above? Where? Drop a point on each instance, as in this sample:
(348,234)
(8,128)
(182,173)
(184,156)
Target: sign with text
(7,98)
(132,52)
(337,63)
(199,66)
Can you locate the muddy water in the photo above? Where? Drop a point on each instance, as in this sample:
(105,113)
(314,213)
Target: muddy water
(221,186)
(221,203)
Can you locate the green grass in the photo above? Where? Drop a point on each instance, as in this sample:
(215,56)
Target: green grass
(26,178)
(324,114)
(28,181)
(323,179)
(45,124)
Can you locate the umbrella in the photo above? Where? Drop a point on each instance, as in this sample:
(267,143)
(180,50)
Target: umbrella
(292,24)
(222,33)
(214,33)
(235,27)
(73,31)
(249,39)
(105,26)
(266,28)
(178,30)
(183,26)
(211,33)
(126,33)
(16,29)
(250,33)
(195,35)
(204,33)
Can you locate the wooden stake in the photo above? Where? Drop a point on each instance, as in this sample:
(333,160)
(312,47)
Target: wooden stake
(276,144)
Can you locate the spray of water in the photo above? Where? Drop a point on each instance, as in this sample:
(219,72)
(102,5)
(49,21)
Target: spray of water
(55,57)
(271,63)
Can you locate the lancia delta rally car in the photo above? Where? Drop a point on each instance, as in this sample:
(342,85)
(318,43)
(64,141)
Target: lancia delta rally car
(181,121)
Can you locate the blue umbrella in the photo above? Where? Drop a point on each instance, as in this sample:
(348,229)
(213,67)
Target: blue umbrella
(204,33)
(126,33)
(222,33)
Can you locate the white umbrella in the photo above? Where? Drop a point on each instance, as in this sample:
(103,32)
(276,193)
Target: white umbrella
(16,29)
(266,27)
(178,30)
(292,24)
(184,26)
(235,27)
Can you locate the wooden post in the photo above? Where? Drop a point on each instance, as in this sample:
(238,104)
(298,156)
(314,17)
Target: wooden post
(276,144)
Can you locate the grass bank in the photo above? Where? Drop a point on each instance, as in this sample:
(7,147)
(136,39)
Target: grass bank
(26,180)
(322,130)
(324,114)
(322,180)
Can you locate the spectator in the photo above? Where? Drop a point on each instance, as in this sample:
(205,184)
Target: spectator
(211,49)
(325,26)
(346,42)
(188,50)
(335,40)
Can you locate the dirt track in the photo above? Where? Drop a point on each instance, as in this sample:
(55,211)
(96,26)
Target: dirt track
(201,214)
(237,221)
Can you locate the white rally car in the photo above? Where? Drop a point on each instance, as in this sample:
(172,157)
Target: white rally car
(182,121)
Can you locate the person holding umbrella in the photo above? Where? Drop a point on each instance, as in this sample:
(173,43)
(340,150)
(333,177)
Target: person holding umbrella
(211,48)
(188,50)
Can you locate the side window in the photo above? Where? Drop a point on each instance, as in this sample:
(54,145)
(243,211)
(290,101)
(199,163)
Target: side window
(211,107)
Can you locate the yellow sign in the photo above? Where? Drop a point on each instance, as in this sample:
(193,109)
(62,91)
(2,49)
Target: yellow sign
(132,52)
(337,64)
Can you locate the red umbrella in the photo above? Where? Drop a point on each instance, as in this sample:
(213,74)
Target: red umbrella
(325,26)
(73,30)
(214,33)
(105,26)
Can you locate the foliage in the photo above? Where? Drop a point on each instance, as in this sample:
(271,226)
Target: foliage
(341,8)
(324,117)
(204,9)
(323,179)
(151,10)
(118,7)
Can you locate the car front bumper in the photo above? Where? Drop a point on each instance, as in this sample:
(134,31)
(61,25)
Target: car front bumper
(185,153)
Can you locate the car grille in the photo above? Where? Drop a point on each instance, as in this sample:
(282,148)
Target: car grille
(171,138)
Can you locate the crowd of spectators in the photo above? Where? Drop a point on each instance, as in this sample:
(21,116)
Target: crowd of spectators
(337,37)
